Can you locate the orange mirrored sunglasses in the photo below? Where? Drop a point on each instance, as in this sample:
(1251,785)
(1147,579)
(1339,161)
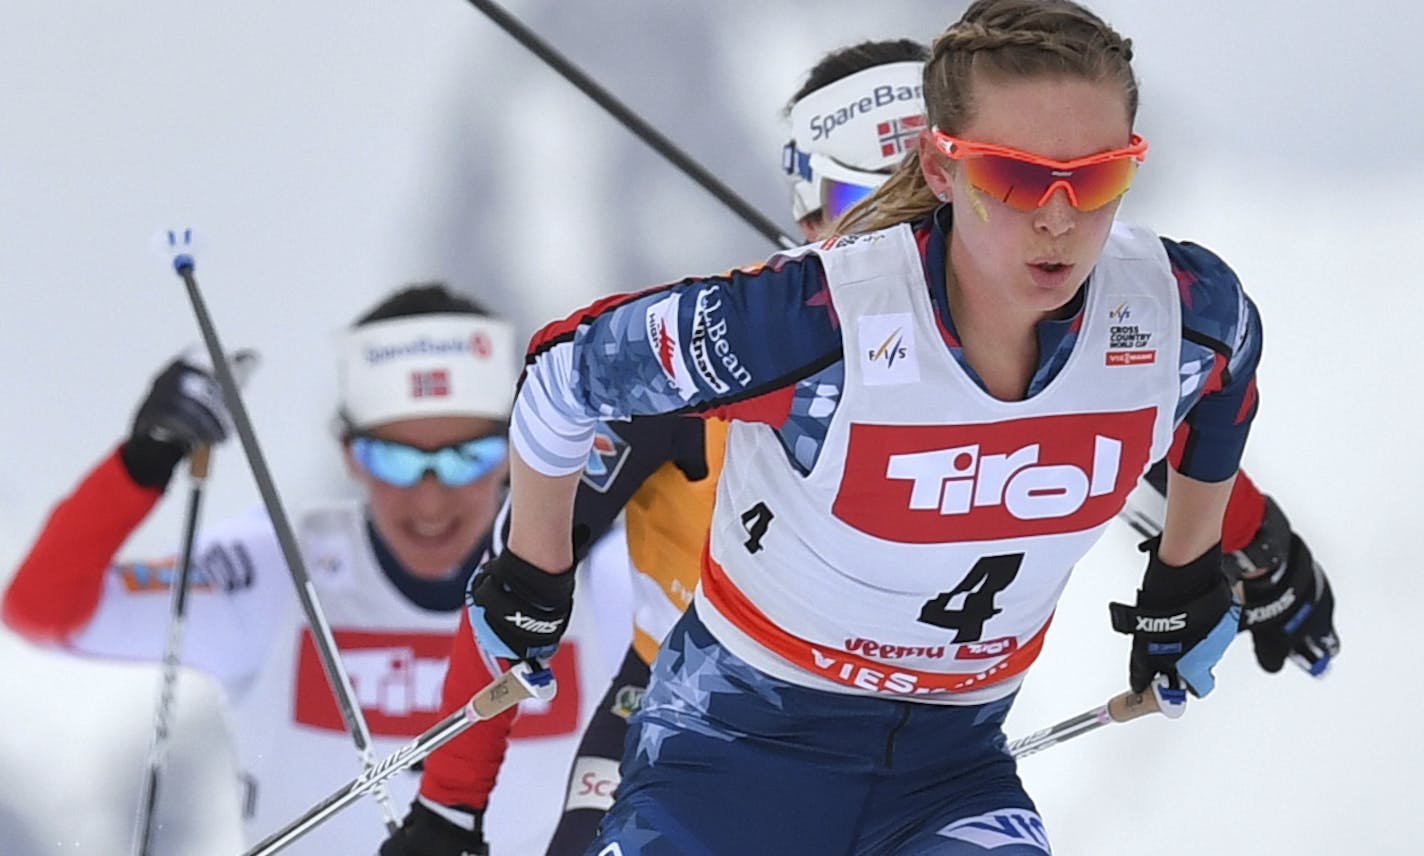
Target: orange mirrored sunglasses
(1025,181)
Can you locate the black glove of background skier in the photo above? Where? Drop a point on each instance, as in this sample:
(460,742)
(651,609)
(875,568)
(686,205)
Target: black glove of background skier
(425,833)
(184,409)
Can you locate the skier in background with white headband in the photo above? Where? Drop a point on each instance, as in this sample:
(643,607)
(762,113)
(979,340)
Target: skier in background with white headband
(426,380)
(859,110)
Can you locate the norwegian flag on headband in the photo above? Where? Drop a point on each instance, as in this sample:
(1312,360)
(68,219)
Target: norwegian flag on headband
(431,384)
(896,135)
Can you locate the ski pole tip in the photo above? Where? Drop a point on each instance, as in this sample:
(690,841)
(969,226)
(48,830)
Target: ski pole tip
(177,247)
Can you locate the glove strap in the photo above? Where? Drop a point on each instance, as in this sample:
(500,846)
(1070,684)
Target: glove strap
(541,587)
(1268,550)
(1163,583)
(149,462)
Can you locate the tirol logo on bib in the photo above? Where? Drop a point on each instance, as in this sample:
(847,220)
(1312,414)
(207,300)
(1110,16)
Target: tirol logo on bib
(936,484)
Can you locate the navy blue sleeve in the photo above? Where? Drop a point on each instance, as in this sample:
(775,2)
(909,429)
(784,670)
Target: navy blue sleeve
(1221,346)
(694,345)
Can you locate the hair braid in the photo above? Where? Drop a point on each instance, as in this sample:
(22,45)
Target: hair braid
(998,40)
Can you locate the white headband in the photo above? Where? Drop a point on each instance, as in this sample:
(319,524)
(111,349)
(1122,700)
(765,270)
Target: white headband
(866,121)
(427,365)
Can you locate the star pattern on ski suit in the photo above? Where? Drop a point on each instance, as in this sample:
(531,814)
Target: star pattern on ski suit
(679,698)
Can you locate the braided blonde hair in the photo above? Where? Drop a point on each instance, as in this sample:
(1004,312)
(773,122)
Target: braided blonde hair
(999,40)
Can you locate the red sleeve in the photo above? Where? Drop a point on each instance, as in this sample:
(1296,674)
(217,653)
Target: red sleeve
(57,588)
(1245,510)
(463,771)
(1244,513)
(772,408)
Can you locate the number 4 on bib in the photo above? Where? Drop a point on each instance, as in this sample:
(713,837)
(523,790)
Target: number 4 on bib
(755,520)
(989,576)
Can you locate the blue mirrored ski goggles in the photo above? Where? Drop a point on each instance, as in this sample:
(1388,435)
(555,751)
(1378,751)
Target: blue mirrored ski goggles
(455,465)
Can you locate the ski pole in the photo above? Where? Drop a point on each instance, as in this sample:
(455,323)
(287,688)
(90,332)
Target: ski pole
(179,248)
(1127,706)
(633,122)
(521,682)
(172,653)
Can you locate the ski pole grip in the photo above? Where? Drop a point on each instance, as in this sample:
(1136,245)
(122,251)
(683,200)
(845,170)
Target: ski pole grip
(1131,705)
(198,462)
(516,685)
(1161,698)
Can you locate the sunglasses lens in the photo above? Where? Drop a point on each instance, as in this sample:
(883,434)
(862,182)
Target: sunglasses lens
(1017,184)
(1024,185)
(393,463)
(400,465)
(457,466)
(837,197)
(1101,183)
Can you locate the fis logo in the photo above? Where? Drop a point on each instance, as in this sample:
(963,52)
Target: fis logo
(1130,335)
(890,350)
(887,353)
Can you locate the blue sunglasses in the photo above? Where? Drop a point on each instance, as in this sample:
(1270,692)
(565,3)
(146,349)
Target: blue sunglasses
(455,465)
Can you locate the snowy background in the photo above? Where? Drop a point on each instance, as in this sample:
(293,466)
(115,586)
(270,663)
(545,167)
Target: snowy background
(331,151)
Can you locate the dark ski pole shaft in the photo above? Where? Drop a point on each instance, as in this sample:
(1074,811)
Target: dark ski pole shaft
(172,657)
(633,122)
(324,642)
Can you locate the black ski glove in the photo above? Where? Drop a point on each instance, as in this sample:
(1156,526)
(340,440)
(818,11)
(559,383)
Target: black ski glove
(1288,606)
(425,833)
(1182,623)
(184,409)
(517,610)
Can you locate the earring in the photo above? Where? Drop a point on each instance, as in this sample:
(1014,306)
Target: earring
(942,196)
